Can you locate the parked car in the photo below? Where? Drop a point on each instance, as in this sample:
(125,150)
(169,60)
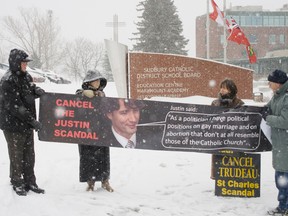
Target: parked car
(2,72)
(4,66)
(35,75)
(3,69)
(52,76)
(64,81)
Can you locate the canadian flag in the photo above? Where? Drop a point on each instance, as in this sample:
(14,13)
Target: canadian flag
(217,15)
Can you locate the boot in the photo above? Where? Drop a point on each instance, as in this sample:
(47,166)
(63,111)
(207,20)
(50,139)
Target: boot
(34,188)
(278,211)
(106,186)
(20,190)
(90,186)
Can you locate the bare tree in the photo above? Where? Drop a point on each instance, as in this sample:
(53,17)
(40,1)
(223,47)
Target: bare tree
(37,33)
(82,55)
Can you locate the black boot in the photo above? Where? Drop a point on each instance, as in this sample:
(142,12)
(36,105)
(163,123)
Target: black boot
(278,212)
(34,188)
(20,190)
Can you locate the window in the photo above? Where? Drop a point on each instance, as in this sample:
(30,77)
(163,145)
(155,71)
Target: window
(257,20)
(272,39)
(243,21)
(282,39)
(273,20)
(270,21)
(252,39)
(278,20)
(265,20)
(222,39)
(254,20)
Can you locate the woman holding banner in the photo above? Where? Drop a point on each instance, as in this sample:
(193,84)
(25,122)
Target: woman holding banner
(94,160)
(227,97)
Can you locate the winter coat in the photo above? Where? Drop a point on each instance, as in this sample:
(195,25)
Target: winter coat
(94,163)
(94,160)
(18,96)
(278,121)
(233,102)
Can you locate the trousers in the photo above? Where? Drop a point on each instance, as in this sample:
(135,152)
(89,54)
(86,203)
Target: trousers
(281,181)
(22,157)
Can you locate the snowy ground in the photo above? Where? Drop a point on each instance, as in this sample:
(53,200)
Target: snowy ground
(146,183)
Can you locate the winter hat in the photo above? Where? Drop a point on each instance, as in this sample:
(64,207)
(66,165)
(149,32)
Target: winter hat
(16,57)
(278,76)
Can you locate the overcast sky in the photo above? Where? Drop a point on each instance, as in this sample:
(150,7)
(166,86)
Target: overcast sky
(88,18)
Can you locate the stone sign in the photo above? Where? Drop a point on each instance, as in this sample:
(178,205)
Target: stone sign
(166,75)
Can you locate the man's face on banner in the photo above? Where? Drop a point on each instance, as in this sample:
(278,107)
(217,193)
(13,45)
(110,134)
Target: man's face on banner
(125,120)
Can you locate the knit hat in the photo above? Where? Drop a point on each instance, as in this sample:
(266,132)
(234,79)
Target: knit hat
(278,76)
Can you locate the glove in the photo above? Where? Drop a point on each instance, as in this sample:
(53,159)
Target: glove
(88,93)
(39,91)
(265,112)
(36,125)
(99,94)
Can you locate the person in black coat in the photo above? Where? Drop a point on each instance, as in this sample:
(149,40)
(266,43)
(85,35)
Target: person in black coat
(227,97)
(94,160)
(18,119)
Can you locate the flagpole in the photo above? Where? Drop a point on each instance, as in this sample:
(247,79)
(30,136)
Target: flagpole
(224,34)
(208,32)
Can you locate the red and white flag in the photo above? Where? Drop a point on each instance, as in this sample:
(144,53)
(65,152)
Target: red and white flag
(238,36)
(217,15)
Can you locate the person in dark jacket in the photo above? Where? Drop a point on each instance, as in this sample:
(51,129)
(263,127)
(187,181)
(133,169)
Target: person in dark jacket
(18,119)
(94,160)
(227,97)
(277,119)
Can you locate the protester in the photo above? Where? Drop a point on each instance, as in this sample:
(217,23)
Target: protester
(94,160)
(277,119)
(18,119)
(227,97)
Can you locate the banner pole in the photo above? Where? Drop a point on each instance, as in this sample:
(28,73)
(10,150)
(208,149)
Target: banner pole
(224,34)
(208,31)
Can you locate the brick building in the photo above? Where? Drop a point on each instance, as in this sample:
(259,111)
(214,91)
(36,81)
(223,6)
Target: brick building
(267,32)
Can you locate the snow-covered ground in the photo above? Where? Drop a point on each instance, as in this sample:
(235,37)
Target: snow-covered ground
(146,183)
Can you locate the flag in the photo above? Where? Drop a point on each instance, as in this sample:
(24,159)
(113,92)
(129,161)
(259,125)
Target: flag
(251,54)
(238,36)
(217,15)
(236,33)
